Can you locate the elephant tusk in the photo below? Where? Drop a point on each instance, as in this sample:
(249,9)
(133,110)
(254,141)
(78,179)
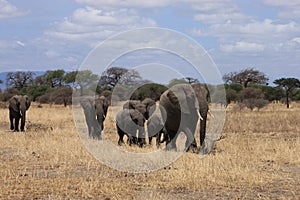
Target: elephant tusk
(199,115)
(212,116)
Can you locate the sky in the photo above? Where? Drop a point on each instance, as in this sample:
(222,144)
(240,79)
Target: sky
(59,34)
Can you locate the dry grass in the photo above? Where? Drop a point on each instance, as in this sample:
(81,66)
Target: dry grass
(257,158)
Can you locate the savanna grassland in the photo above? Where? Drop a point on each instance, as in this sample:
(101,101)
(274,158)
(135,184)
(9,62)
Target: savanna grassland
(257,158)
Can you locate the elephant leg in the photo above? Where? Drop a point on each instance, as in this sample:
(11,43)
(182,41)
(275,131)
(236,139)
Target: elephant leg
(141,136)
(100,121)
(121,135)
(190,143)
(150,140)
(22,123)
(171,141)
(11,118)
(17,120)
(158,139)
(202,130)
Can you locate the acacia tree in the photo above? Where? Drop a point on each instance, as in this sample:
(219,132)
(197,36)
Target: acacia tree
(19,79)
(288,84)
(246,76)
(84,80)
(191,80)
(55,78)
(118,75)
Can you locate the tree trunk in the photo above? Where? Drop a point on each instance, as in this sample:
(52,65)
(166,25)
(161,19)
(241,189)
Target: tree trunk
(287,99)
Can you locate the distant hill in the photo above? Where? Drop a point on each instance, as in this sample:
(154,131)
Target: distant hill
(4,74)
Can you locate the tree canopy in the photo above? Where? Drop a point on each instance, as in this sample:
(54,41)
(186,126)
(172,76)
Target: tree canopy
(246,76)
(288,84)
(19,79)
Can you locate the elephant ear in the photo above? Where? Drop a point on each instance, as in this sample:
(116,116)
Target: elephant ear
(28,102)
(177,96)
(14,103)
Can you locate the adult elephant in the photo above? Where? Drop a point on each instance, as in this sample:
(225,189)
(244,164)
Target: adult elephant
(180,111)
(202,97)
(129,122)
(18,105)
(95,111)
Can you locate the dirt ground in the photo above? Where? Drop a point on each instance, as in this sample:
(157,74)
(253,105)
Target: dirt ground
(257,158)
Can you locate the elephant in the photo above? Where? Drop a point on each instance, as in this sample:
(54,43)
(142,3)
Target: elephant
(128,122)
(95,111)
(146,107)
(180,111)
(18,105)
(150,107)
(155,128)
(202,98)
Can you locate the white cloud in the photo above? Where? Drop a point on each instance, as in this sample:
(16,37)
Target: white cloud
(90,25)
(126,3)
(288,9)
(8,10)
(218,12)
(297,40)
(20,43)
(242,47)
(51,54)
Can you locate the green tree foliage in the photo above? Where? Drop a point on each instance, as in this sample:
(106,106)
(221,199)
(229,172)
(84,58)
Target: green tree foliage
(55,78)
(151,90)
(245,77)
(288,84)
(35,91)
(110,78)
(85,79)
(70,78)
(296,95)
(19,79)
(271,93)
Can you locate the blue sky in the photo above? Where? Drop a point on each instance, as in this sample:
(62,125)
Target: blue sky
(265,35)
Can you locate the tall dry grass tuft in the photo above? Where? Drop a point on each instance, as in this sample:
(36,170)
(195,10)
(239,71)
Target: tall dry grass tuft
(257,157)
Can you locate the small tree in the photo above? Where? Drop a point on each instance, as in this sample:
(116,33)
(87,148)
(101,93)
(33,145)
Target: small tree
(252,98)
(246,76)
(85,79)
(288,84)
(191,80)
(110,78)
(19,79)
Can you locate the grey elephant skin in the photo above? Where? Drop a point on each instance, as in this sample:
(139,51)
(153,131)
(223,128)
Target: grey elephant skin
(18,105)
(145,107)
(95,111)
(129,122)
(155,127)
(179,108)
(202,97)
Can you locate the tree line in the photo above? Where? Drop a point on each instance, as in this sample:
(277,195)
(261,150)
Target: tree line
(247,87)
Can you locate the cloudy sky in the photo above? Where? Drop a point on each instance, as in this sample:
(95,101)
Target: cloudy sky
(237,34)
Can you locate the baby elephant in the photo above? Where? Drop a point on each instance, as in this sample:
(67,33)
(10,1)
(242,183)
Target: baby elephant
(18,105)
(155,128)
(128,122)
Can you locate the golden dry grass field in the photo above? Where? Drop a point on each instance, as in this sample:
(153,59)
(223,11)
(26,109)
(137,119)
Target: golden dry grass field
(258,157)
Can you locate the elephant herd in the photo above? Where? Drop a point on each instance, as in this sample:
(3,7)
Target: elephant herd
(179,109)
